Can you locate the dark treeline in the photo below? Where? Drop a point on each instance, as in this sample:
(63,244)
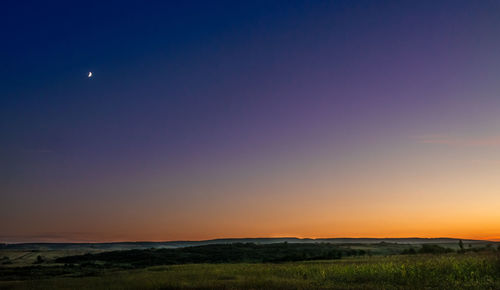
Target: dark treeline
(428,249)
(437,249)
(224,253)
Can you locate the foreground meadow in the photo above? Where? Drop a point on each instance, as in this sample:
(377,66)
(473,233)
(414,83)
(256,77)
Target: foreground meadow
(445,271)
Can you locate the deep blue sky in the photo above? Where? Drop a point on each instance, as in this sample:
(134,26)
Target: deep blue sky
(197,105)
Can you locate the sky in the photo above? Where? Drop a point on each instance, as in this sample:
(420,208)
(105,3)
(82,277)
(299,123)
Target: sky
(218,119)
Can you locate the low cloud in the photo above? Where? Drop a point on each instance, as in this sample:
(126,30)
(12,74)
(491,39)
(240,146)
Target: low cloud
(490,141)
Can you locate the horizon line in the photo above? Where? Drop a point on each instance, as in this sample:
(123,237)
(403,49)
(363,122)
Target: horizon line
(496,240)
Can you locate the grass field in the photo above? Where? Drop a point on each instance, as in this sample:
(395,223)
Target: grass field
(445,271)
(19,258)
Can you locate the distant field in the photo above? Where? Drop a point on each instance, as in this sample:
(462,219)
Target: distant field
(255,266)
(19,258)
(446,271)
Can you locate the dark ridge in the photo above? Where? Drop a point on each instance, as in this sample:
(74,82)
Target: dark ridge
(181,244)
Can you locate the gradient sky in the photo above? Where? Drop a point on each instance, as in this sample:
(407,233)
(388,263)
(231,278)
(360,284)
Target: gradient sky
(218,119)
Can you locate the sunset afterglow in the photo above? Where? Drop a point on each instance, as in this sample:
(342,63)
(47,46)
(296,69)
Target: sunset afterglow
(201,120)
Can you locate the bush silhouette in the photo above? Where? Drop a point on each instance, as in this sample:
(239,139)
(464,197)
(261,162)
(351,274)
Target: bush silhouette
(39,259)
(434,249)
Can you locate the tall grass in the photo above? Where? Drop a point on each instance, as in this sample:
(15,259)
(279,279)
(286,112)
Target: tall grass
(447,271)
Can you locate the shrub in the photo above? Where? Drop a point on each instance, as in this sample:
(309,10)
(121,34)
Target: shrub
(39,260)
(434,249)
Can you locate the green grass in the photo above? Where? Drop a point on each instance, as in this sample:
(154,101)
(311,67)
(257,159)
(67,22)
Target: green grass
(447,271)
(20,258)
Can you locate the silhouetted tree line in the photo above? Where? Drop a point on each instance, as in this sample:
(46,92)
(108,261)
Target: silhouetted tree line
(428,249)
(487,248)
(221,253)
(436,249)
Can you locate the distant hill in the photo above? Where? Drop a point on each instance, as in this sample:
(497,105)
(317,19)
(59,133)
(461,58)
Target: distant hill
(180,244)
